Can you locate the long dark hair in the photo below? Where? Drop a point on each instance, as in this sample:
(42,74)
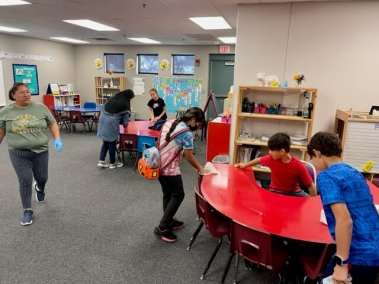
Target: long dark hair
(193,112)
(120,102)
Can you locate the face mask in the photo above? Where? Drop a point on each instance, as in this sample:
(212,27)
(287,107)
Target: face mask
(193,128)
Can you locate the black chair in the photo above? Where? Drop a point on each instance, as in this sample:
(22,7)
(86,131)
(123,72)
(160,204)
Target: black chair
(77,117)
(61,119)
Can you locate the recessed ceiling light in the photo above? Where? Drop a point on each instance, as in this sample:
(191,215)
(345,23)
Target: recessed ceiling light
(13,2)
(91,25)
(143,40)
(11,30)
(231,39)
(67,39)
(211,23)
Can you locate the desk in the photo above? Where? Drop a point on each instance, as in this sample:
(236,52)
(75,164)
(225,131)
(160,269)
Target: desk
(81,109)
(139,127)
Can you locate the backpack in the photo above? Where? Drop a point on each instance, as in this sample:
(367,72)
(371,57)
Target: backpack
(149,163)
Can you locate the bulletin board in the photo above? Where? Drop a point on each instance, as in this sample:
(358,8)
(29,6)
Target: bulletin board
(179,93)
(23,73)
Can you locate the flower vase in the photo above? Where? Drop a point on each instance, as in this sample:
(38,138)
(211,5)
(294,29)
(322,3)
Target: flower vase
(111,83)
(298,84)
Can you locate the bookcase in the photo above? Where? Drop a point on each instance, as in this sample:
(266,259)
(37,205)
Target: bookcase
(359,133)
(106,87)
(61,100)
(263,111)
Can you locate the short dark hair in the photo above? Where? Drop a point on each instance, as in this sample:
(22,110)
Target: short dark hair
(327,143)
(279,141)
(14,89)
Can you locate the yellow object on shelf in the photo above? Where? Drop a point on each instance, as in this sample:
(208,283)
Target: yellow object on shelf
(368,166)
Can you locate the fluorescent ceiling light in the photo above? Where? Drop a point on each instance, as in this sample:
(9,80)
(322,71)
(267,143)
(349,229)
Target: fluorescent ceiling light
(67,39)
(211,23)
(231,39)
(143,40)
(11,30)
(13,2)
(91,25)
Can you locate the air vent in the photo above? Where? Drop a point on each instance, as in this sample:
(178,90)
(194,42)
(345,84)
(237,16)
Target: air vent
(205,37)
(101,38)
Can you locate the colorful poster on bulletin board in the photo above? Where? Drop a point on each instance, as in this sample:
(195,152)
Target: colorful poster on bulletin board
(23,73)
(179,93)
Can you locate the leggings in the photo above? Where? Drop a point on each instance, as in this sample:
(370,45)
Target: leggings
(27,164)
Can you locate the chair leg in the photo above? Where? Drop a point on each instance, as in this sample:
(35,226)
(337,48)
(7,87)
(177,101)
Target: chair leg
(136,162)
(237,265)
(195,234)
(212,258)
(226,269)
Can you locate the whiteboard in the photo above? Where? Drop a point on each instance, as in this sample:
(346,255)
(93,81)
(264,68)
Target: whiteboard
(2,90)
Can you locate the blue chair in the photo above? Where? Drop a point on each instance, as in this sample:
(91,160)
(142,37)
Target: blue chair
(90,115)
(143,141)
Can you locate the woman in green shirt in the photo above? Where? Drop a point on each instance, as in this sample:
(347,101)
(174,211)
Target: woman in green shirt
(25,124)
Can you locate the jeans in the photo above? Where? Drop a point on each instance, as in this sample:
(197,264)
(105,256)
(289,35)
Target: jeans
(293,193)
(173,195)
(111,147)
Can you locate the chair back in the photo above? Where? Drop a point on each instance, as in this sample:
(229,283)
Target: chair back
(76,116)
(217,224)
(258,247)
(312,172)
(128,142)
(144,141)
(89,105)
(314,258)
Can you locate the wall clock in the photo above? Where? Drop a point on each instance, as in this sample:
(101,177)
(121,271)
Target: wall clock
(130,64)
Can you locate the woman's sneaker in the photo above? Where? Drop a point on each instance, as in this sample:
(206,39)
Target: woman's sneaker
(102,164)
(27,217)
(116,165)
(165,235)
(40,194)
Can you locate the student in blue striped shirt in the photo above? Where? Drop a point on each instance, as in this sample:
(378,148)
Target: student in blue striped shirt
(350,212)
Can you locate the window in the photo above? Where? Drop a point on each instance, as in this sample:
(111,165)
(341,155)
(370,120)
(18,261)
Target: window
(147,63)
(114,62)
(183,64)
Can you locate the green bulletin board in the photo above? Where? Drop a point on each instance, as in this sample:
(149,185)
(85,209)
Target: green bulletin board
(23,73)
(179,93)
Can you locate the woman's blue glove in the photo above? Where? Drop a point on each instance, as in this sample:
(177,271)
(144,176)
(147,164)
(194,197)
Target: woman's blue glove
(58,145)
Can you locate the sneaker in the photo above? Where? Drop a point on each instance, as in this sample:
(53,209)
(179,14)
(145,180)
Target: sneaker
(165,235)
(116,165)
(40,194)
(27,218)
(176,225)
(102,164)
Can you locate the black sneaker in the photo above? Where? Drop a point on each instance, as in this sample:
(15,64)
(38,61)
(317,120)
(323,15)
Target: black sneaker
(40,194)
(27,217)
(165,235)
(176,224)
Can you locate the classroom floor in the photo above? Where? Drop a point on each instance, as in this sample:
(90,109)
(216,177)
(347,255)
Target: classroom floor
(96,226)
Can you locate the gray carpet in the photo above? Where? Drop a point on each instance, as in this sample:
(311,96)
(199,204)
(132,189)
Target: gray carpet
(96,226)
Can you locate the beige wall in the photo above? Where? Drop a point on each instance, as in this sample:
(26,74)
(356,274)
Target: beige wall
(62,69)
(75,64)
(335,45)
(85,56)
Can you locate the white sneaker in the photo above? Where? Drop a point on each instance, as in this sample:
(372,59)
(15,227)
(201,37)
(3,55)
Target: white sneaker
(116,165)
(102,164)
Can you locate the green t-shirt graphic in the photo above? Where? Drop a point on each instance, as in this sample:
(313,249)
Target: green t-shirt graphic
(26,127)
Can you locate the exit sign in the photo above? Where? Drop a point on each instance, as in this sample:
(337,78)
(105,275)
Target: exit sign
(224,48)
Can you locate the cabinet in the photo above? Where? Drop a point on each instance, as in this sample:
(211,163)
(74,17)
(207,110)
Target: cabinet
(359,133)
(263,111)
(106,87)
(61,100)
(218,134)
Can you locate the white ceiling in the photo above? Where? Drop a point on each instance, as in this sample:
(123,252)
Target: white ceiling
(162,20)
